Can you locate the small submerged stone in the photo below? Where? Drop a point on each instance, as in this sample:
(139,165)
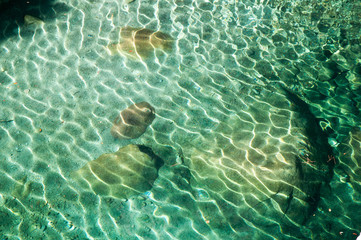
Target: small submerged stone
(22,188)
(130,171)
(140,43)
(29,20)
(133,121)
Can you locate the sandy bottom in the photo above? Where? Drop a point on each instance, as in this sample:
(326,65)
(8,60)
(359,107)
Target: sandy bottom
(231,139)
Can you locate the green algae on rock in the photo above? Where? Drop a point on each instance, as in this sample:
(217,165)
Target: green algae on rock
(129,171)
(141,43)
(133,121)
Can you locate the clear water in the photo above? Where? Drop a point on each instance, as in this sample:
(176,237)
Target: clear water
(257,119)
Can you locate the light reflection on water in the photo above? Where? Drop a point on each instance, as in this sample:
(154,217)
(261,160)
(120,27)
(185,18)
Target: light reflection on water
(218,99)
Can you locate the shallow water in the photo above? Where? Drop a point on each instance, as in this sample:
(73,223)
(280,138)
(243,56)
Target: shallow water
(257,119)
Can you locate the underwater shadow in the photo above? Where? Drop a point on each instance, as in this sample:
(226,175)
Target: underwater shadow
(13,12)
(320,151)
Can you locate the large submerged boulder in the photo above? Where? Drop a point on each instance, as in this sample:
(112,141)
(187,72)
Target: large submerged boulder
(129,171)
(264,166)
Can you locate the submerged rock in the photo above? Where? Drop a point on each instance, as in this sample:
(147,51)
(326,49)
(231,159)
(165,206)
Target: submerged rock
(29,20)
(139,43)
(22,188)
(129,171)
(265,169)
(133,121)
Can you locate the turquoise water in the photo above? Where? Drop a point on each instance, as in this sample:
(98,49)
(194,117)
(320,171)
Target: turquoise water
(257,120)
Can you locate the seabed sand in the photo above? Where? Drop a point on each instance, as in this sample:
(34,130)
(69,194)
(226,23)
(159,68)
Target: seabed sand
(60,92)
